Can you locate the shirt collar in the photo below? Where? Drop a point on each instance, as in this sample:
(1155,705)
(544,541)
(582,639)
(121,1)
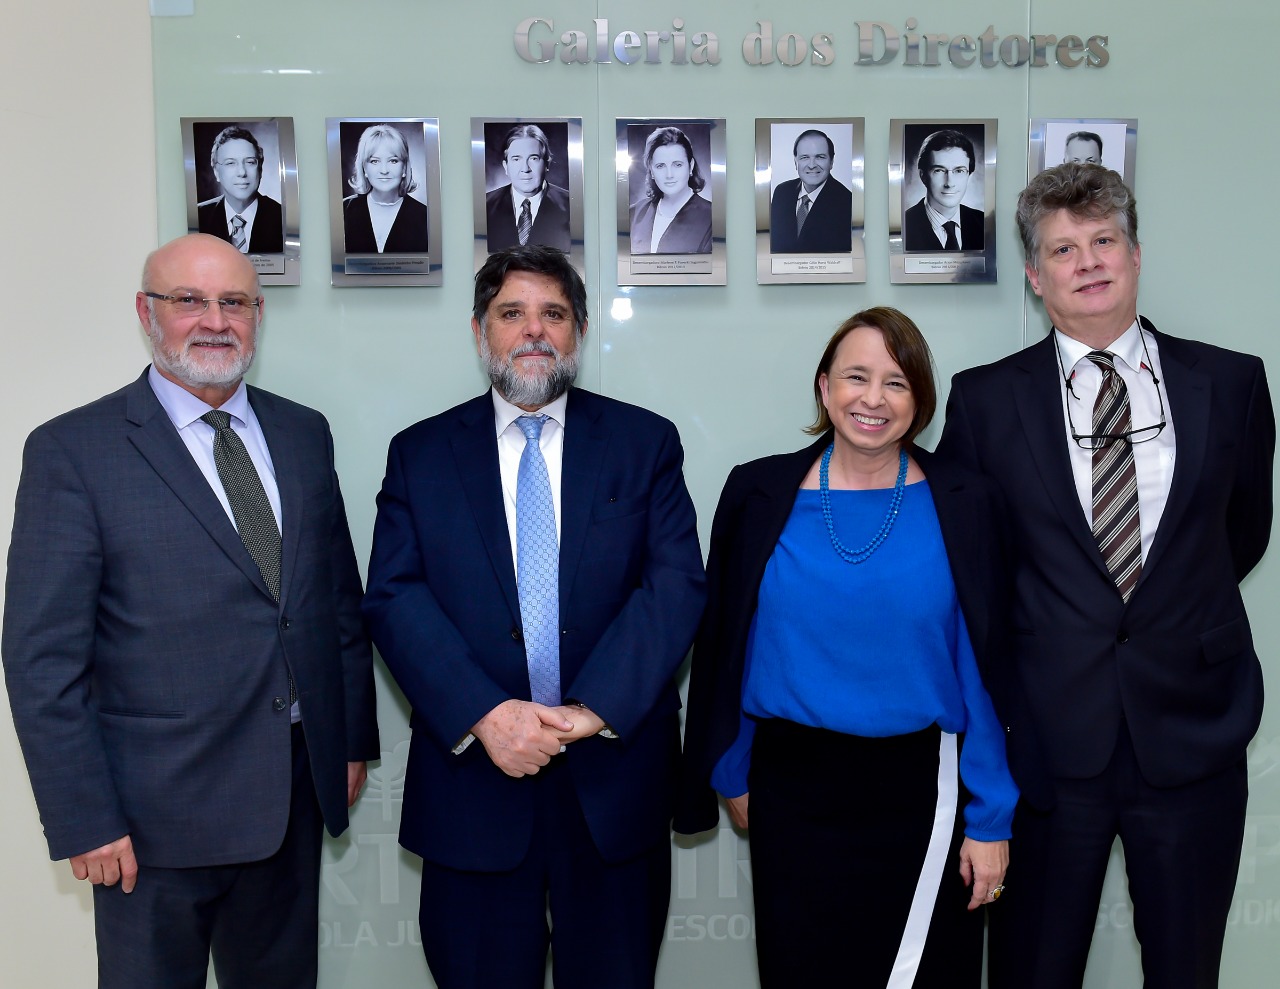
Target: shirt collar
(504,413)
(812,195)
(535,198)
(936,218)
(1127,348)
(248,213)
(183,408)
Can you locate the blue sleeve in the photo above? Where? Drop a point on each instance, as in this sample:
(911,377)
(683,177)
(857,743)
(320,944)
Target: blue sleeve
(983,766)
(729,778)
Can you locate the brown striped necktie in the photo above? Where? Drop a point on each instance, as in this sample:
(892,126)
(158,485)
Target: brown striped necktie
(1116,523)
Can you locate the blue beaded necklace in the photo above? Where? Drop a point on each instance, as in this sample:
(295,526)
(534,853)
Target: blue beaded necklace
(824,488)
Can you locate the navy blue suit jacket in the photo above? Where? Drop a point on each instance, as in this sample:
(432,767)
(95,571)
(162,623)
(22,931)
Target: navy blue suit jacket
(148,664)
(1176,663)
(444,612)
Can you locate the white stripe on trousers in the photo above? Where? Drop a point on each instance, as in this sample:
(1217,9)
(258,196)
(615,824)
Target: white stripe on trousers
(916,931)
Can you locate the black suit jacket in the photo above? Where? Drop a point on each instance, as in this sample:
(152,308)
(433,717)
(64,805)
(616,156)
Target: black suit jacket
(757,500)
(1177,663)
(148,664)
(444,612)
(688,233)
(408,233)
(550,226)
(918,235)
(826,229)
(268,225)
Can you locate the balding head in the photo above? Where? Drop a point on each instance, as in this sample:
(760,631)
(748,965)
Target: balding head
(204,346)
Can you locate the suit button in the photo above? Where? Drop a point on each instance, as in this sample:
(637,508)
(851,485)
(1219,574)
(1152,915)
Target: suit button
(285,624)
(279,704)
(517,635)
(1122,637)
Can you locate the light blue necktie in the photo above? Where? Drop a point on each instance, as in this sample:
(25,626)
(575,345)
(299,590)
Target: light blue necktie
(538,566)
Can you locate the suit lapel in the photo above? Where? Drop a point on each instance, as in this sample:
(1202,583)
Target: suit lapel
(288,470)
(768,506)
(160,445)
(1188,394)
(585,440)
(1038,398)
(475,452)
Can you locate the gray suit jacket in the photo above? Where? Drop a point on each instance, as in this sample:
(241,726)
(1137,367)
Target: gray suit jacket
(148,665)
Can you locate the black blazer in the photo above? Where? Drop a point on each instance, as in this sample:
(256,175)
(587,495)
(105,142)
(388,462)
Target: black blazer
(753,510)
(268,225)
(408,233)
(918,235)
(688,233)
(826,229)
(550,226)
(1177,663)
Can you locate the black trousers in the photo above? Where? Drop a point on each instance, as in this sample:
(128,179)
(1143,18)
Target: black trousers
(1182,854)
(259,920)
(854,860)
(482,930)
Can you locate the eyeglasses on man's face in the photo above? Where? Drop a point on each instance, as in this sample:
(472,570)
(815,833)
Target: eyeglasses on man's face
(236,307)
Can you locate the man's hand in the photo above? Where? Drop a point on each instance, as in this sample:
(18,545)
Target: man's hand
(357,773)
(108,865)
(983,863)
(521,736)
(584,720)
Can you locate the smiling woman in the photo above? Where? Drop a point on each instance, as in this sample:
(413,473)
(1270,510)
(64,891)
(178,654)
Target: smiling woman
(383,217)
(835,665)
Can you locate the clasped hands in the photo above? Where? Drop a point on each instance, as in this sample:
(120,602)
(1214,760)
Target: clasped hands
(522,736)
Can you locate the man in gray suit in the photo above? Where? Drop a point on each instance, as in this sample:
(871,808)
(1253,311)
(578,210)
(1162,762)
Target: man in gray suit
(183,646)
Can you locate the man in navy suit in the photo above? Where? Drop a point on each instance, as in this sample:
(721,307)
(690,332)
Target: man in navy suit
(242,216)
(189,677)
(813,213)
(529,209)
(538,653)
(1136,468)
(940,222)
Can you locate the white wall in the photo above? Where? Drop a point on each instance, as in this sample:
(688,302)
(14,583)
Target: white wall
(80,214)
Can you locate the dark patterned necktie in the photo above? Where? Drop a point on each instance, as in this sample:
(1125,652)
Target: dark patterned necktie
(255,521)
(952,244)
(1116,522)
(237,234)
(524,227)
(802,214)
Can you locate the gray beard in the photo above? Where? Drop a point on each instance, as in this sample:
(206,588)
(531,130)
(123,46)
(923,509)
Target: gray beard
(183,366)
(531,390)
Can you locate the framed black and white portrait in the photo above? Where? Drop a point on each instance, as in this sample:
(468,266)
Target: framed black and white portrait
(384,196)
(671,201)
(527,180)
(1111,143)
(942,205)
(242,186)
(809,200)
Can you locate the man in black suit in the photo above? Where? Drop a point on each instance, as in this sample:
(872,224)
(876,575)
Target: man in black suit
(1131,687)
(811,214)
(185,658)
(534,585)
(251,222)
(530,209)
(940,222)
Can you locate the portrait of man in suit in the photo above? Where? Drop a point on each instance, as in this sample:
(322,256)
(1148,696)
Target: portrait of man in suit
(534,584)
(1136,469)
(940,221)
(183,646)
(241,215)
(529,208)
(812,213)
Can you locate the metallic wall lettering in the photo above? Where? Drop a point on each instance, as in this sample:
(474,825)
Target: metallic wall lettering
(535,41)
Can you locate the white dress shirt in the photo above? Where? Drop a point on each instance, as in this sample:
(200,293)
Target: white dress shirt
(511,445)
(535,204)
(1153,459)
